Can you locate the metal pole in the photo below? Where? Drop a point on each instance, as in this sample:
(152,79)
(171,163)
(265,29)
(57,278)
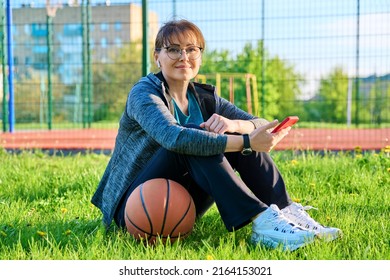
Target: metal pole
(84,85)
(262,60)
(357,64)
(349,102)
(145,35)
(11,104)
(49,21)
(89,65)
(3,66)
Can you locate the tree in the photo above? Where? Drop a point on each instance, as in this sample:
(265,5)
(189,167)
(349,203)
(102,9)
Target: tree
(286,83)
(330,103)
(31,98)
(113,80)
(251,61)
(377,103)
(281,85)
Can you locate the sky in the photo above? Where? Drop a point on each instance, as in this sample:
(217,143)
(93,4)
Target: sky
(314,36)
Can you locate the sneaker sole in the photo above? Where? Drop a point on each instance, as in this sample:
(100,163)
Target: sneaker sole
(270,243)
(328,237)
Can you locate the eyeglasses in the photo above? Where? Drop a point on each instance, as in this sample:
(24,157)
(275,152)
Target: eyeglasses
(175,52)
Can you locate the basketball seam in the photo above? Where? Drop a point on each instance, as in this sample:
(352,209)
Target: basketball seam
(168,236)
(140,229)
(166,206)
(182,218)
(146,211)
(155,235)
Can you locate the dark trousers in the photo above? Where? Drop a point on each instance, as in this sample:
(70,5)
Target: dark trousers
(214,179)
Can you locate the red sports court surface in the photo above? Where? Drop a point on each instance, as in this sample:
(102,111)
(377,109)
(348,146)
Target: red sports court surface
(104,139)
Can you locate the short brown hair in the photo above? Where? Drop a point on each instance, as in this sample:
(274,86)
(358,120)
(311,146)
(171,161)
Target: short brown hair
(178,28)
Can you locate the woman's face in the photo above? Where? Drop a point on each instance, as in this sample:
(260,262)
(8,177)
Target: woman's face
(179,60)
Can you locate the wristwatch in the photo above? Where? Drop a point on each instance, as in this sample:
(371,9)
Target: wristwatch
(247,150)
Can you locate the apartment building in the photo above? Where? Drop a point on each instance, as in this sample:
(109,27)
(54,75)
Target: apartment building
(111,28)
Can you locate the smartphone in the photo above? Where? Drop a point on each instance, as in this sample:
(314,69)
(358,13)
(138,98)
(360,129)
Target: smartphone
(289,121)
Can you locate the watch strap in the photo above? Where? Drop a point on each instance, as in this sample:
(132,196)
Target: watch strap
(247,144)
(247,150)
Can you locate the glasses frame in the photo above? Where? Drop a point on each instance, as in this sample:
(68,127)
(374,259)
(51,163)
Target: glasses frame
(181,52)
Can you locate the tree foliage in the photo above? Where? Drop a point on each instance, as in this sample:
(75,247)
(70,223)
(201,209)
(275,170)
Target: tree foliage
(374,102)
(113,80)
(330,103)
(278,92)
(31,98)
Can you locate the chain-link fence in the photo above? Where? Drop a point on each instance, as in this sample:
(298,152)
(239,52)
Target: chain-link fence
(71,64)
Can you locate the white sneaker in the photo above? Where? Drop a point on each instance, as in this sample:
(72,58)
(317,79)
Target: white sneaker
(272,229)
(298,215)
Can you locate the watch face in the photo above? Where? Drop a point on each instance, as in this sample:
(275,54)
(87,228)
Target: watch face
(246,151)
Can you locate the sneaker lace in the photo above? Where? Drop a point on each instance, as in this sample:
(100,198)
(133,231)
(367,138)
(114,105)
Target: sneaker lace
(303,218)
(281,223)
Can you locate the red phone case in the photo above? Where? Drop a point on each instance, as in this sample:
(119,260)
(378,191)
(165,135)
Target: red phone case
(289,121)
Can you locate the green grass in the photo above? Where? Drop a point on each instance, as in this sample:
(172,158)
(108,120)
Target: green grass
(46,212)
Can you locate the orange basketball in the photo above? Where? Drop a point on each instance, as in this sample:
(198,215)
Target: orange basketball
(160,208)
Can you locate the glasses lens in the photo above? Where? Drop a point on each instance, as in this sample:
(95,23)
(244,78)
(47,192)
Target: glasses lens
(192,52)
(174,52)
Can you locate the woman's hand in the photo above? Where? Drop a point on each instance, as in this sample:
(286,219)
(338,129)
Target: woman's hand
(219,124)
(261,140)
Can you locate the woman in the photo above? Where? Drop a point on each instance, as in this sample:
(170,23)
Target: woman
(183,131)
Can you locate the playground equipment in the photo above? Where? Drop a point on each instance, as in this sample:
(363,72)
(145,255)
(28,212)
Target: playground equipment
(250,81)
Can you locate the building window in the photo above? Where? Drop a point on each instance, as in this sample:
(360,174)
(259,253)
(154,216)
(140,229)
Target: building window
(40,49)
(38,30)
(73,29)
(118,26)
(14,30)
(118,42)
(103,26)
(27,29)
(103,42)
(40,61)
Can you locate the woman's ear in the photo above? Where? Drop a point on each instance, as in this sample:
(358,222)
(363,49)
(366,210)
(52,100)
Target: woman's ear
(156,59)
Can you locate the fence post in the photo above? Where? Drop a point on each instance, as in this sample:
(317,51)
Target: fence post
(89,66)
(84,63)
(145,36)
(87,114)
(11,104)
(49,21)
(3,66)
(357,64)
(50,14)
(262,60)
